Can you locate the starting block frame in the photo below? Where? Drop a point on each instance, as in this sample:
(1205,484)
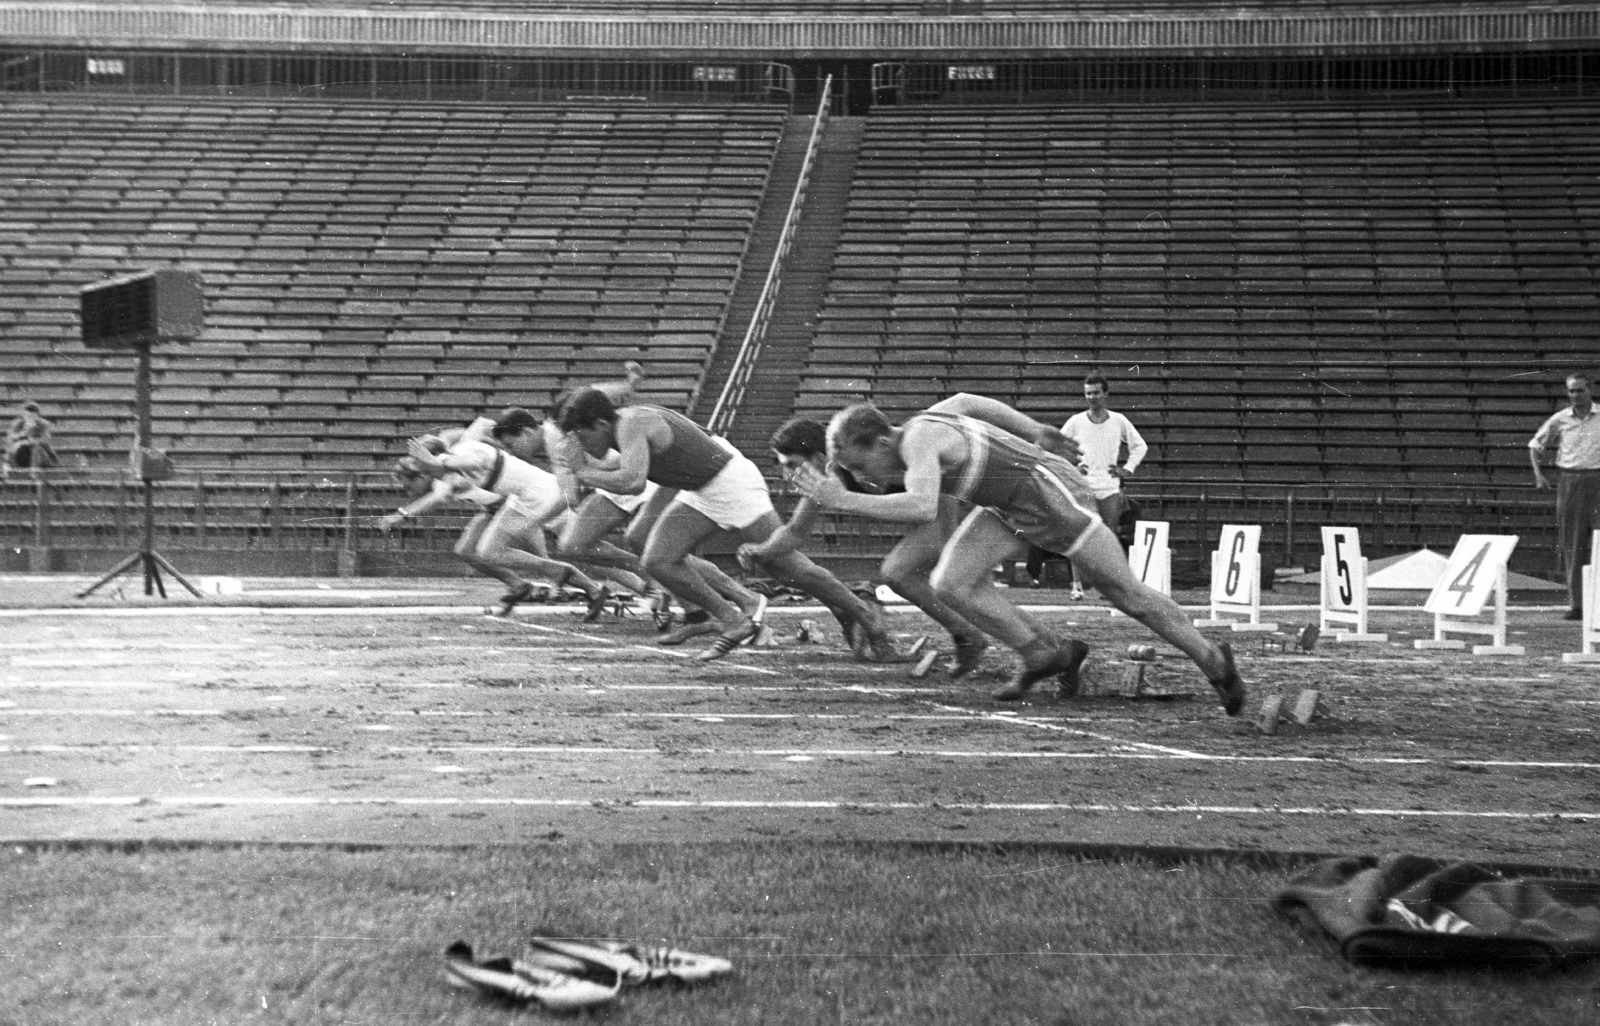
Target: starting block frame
(1236,580)
(1344,586)
(1591,629)
(1150,555)
(1475,574)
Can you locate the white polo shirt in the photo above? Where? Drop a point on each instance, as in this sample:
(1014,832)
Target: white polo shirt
(1576,440)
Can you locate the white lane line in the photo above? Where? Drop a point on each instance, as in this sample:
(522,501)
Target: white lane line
(201,801)
(1183,753)
(117,646)
(193,749)
(656,649)
(111,712)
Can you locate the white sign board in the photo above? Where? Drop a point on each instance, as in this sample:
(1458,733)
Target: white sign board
(1236,579)
(1149,557)
(1344,585)
(1476,565)
(1591,610)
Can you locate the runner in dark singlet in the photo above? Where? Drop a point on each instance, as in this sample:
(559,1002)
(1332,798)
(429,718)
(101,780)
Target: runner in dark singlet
(718,487)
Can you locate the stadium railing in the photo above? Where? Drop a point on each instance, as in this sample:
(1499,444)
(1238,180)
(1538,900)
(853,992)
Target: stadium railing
(61,519)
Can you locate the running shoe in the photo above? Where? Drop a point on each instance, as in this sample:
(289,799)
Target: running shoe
(729,640)
(1230,688)
(694,624)
(509,601)
(598,603)
(526,982)
(637,964)
(1063,665)
(660,604)
(969,653)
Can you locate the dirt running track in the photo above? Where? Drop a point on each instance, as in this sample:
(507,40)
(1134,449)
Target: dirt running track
(440,726)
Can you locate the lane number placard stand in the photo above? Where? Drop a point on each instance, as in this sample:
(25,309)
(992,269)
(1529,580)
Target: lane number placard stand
(1344,586)
(1149,557)
(1236,580)
(1591,612)
(1476,572)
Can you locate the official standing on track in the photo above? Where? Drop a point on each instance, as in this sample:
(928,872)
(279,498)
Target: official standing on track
(1573,434)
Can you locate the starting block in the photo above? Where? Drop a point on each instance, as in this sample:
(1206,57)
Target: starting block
(1304,640)
(1476,571)
(1236,580)
(764,638)
(1344,586)
(925,663)
(1591,630)
(1308,706)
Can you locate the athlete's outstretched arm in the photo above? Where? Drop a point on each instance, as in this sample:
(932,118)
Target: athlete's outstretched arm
(1006,418)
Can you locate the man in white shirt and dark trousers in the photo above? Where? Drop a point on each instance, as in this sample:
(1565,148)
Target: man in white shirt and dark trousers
(1102,435)
(1574,435)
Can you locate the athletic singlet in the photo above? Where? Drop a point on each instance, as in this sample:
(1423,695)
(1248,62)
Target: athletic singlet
(505,474)
(691,459)
(998,464)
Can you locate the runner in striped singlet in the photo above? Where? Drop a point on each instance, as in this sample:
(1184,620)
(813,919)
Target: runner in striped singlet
(986,453)
(717,487)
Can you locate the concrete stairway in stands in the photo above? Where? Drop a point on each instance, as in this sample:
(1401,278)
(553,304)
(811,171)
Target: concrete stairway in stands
(770,399)
(764,234)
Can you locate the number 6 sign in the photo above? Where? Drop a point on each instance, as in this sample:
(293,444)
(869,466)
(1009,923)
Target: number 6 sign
(1236,579)
(1477,570)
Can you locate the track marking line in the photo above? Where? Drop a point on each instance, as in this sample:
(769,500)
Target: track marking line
(1182,753)
(200,801)
(656,649)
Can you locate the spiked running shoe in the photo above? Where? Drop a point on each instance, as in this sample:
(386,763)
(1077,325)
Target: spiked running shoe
(660,605)
(1230,688)
(694,624)
(597,603)
(637,964)
(1064,665)
(510,600)
(969,653)
(729,640)
(526,982)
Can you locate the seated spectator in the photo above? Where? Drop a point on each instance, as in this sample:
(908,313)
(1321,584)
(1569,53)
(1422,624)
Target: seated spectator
(28,440)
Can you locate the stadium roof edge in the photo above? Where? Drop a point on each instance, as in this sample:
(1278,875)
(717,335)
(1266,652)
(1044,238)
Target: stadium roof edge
(157,25)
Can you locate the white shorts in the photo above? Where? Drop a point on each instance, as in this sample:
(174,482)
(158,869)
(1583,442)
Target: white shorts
(543,493)
(736,498)
(630,503)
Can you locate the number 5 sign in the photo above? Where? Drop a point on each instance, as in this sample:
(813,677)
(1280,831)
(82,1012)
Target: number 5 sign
(1476,571)
(1236,579)
(1344,585)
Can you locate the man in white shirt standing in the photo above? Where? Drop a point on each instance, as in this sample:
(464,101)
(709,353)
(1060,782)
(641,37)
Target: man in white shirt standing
(1573,434)
(1101,435)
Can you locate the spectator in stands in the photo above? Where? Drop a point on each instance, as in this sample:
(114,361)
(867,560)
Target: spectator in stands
(718,487)
(802,441)
(1102,436)
(1024,488)
(28,445)
(1573,435)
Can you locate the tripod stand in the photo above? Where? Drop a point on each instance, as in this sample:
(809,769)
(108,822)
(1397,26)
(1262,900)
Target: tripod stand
(147,558)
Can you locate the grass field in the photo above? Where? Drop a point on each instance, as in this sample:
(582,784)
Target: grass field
(224,815)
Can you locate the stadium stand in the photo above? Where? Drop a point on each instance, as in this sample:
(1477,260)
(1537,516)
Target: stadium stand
(1287,292)
(371,269)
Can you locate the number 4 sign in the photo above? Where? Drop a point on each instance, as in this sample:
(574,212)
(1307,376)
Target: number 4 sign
(1476,571)
(1344,585)
(1236,579)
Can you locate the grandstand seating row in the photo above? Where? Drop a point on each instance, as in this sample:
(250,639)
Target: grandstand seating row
(1279,291)
(1335,290)
(369,269)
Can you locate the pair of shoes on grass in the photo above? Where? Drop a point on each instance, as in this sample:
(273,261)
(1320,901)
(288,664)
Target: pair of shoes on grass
(567,975)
